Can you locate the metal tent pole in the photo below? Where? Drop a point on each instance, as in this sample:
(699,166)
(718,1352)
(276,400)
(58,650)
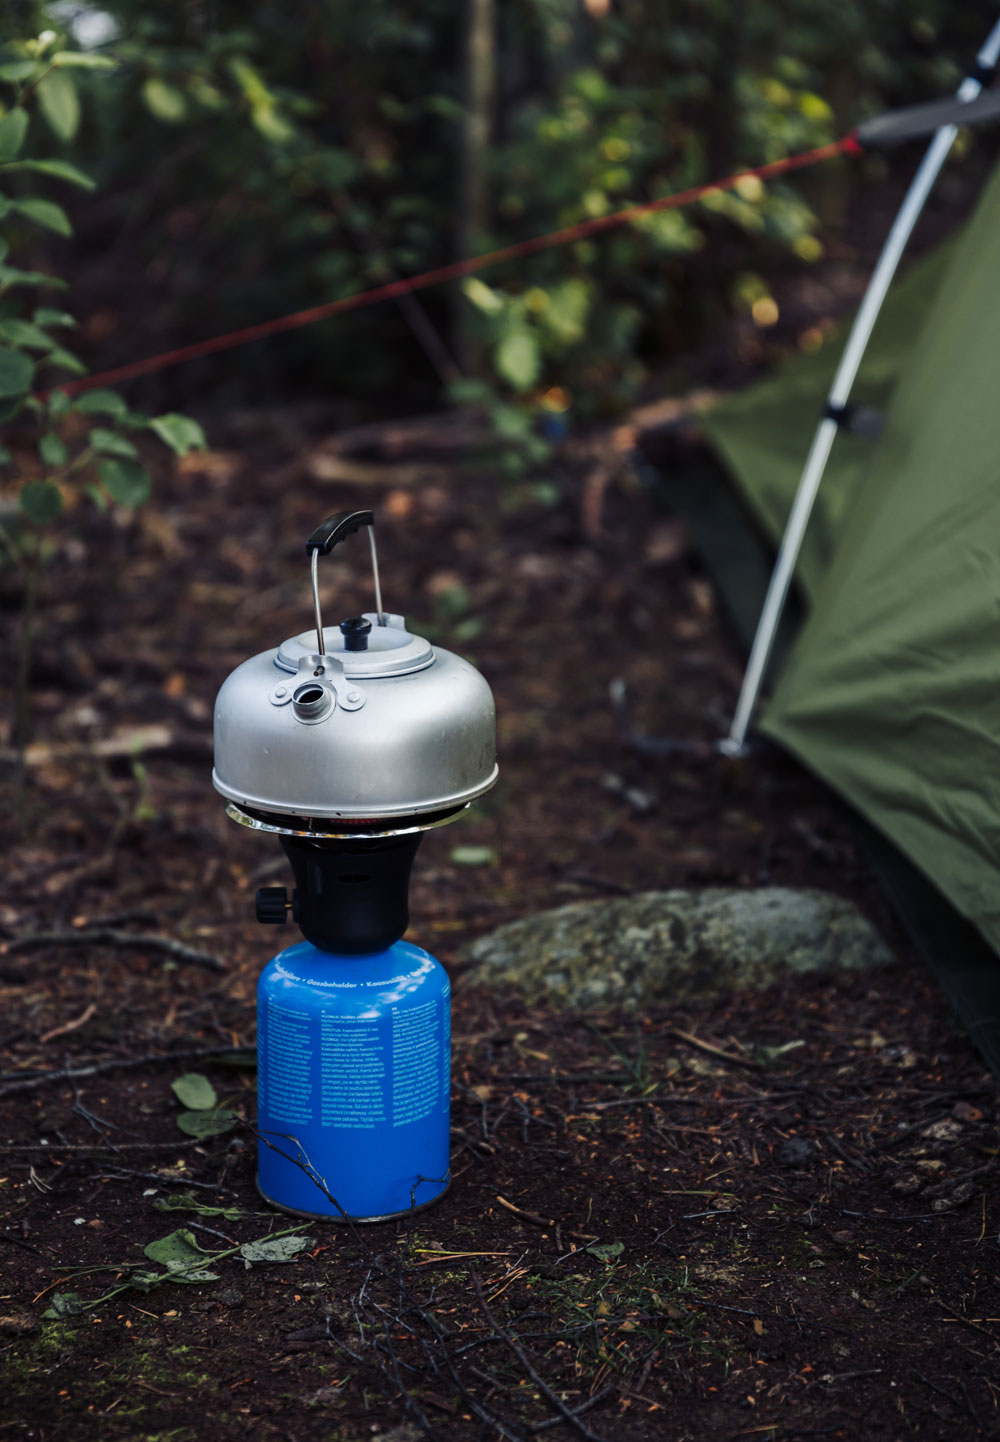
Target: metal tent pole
(734,744)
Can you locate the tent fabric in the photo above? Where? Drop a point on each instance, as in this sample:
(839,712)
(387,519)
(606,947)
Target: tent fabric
(892,690)
(763,434)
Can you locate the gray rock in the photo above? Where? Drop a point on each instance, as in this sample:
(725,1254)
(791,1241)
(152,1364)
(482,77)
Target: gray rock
(675,945)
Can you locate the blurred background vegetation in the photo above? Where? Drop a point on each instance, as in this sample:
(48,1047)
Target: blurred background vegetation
(254,158)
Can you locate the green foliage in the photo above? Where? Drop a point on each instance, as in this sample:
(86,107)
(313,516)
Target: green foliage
(278,155)
(519,450)
(212,1123)
(40,501)
(59,103)
(629,1309)
(64,1304)
(472,856)
(98,461)
(274,1249)
(180,433)
(258,166)
(180,1258)
(16,372)
(73,457)
(194,1091)
(606,1251)
(179,1202)
(125,481)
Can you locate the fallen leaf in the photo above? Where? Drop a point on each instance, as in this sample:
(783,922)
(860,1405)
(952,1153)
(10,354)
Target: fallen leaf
(178,1203)
(945,1130)
(64,1304)
(207,1124)
(180,1253)
(194,1091)
(473,856)
(606,1251)
(274,1249)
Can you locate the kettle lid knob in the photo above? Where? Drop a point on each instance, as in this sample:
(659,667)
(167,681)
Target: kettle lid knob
(355,631)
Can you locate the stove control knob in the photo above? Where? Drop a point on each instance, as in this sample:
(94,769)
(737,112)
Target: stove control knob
(272,905)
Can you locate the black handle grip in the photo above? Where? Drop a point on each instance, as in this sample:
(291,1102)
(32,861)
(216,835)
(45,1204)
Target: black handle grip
(335,529)
(914,122)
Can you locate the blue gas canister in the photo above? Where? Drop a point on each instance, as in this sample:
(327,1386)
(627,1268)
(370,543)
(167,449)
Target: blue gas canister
(353,1082)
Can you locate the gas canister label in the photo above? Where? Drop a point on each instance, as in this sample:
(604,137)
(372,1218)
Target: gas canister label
(352,1071)
(416,1062)
(328,983)
(285,1060)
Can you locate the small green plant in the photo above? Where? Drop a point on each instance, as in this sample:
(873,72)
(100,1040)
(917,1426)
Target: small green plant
(639,1065)
(615,1312)
(69,447)
(517,449)
(203,1116)
(179,1258)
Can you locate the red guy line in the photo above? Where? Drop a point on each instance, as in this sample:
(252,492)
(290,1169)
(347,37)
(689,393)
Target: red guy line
(847,145)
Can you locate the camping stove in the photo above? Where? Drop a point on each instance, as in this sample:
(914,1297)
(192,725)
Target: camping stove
(348,743)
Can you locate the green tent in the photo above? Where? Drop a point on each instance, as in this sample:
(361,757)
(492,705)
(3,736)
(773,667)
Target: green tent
(891,691)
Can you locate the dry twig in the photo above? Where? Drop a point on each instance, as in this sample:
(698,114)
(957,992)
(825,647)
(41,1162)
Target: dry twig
(716,1051)
(110,936)
(554,1401)
(12,1082)
(69,1026)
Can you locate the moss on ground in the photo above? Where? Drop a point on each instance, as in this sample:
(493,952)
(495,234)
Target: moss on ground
(144,1377)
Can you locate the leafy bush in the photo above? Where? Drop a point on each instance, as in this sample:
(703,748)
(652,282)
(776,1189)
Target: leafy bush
(296,162)
(82,445)
(82,441)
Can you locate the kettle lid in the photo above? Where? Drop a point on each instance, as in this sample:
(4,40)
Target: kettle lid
(390,649)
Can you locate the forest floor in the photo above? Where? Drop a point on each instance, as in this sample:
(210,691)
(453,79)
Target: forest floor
(772,1215)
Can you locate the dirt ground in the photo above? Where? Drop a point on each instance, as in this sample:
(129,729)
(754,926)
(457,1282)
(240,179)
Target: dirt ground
(772,1216)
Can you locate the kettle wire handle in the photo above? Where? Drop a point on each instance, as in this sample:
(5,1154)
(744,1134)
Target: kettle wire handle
(330,533)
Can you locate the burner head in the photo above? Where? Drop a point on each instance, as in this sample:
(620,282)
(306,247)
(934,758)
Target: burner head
(351,897)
